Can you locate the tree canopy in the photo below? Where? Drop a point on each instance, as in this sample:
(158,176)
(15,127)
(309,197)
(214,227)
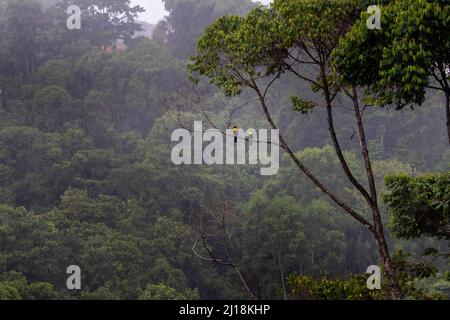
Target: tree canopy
(86,177)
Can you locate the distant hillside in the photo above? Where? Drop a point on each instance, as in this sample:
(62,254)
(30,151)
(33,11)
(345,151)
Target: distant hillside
(147,29)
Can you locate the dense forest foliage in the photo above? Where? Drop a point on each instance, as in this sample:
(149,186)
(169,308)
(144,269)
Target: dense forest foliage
(86,176)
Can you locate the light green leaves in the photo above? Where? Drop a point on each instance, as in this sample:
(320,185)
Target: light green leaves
(302,106)
(398,62)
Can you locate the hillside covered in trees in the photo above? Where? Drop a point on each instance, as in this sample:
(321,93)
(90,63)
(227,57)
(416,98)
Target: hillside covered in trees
(86,176)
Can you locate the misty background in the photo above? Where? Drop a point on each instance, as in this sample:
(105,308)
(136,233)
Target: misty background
(86,177)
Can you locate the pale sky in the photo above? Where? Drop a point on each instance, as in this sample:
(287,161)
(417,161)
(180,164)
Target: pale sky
(155,9)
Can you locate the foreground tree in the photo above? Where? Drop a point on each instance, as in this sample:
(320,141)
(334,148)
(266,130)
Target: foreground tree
(298,38)
(407,57)
(421,205)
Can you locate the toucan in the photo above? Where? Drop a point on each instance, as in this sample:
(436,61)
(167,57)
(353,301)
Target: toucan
(235,132)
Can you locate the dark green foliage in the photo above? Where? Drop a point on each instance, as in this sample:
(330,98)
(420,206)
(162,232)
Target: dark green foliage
(188,18)
(420,205)
(398,61)
(86,177)
(353,288)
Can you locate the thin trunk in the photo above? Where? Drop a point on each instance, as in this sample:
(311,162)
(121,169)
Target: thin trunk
(283,282)
(446,87)
(365,149)
(377,227)
(244,283)
(335,141)
(447,111)
(389,267)
(378,223)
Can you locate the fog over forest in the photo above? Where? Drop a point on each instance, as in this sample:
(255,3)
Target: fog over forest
(94,175)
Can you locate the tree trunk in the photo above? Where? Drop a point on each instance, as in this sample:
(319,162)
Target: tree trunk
(378,232)
(341,203)
(389,268)
(246,287)
(283,282)
(443,69)
(447,109)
